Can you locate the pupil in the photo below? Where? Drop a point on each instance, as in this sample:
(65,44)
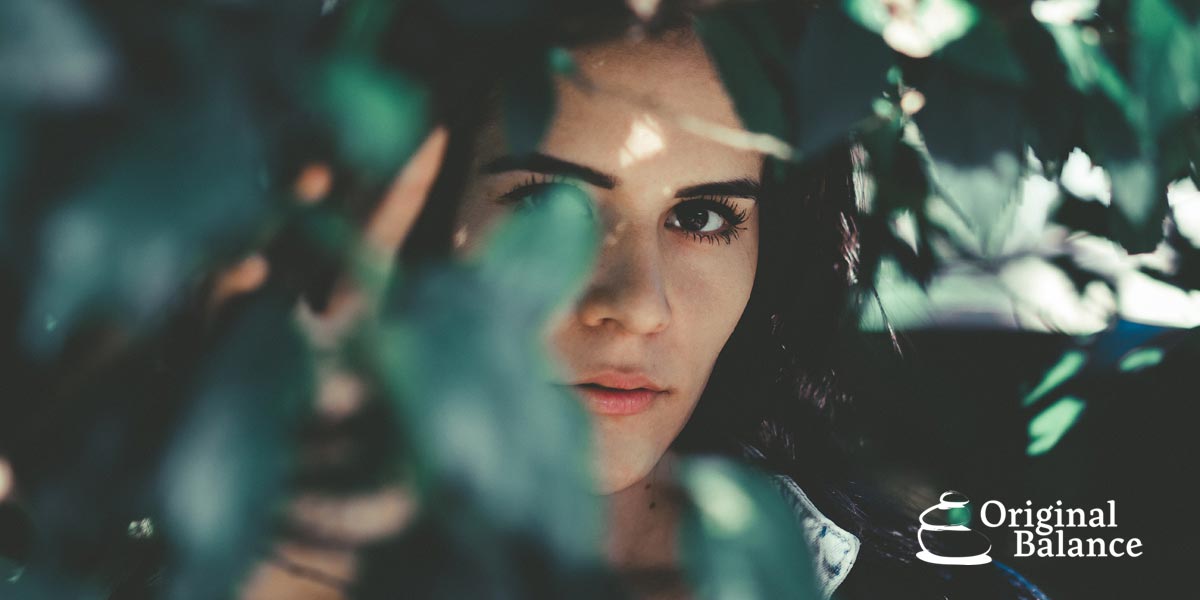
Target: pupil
(694,219)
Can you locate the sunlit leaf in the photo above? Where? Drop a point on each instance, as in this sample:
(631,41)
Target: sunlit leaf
(1049,426)
(1063,12)
(972,129)
(1068,365)
(918,28)
(1141,358)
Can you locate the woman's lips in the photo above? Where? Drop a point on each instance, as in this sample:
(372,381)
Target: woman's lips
(618,393)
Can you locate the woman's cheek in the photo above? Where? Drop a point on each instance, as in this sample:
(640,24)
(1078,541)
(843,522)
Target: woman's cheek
(712,285)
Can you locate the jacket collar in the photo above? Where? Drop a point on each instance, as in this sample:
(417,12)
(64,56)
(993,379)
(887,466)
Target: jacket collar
(833,549)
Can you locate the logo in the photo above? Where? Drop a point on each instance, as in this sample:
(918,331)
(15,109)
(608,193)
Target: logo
(1040,532)
(946,504)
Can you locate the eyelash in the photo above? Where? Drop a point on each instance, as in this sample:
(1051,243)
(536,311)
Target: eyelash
(726,209)
(722,205)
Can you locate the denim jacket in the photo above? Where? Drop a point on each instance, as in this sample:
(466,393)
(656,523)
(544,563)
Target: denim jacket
(833,549)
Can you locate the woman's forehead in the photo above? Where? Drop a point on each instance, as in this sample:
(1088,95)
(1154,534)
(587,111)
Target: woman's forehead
(625,119)
(673,73)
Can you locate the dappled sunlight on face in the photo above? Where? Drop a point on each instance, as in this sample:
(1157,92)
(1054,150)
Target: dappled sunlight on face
(679,240)
(645,140)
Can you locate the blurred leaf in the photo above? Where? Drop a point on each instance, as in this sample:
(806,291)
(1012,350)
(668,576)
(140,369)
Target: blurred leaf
(1055,108)
(740,539)
(900,171)
(973,129)
(1088,68)
(918,28)
(849,85)
(364,24)
(183,190)
(528,100)
(748,54)
(461,354)
(1141,358)
(1049,426)
(1179,149)
(51,53)
(379,115)
(222,479)
(1165,62)
(37,584)
(1068,366)
(1139,197)
(985,52)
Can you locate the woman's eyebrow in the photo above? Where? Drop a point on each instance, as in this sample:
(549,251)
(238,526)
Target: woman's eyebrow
(549,165)
(737,188)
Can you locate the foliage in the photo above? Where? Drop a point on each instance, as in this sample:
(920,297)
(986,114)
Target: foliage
(145,146)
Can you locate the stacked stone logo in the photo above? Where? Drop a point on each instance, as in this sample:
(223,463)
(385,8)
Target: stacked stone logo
(955,544)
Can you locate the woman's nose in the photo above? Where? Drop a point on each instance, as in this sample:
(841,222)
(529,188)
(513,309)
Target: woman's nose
(627,289)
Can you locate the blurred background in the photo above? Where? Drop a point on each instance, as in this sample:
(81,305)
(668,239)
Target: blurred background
(174,176)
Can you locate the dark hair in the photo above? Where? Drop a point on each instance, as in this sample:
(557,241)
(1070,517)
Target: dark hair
(779,383)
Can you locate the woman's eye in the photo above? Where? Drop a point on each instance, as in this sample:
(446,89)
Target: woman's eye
(697,219)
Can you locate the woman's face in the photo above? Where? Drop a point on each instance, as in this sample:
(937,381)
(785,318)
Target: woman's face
(679,240)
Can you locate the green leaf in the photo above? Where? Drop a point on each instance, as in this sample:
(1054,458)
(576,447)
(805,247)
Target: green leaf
(740,539)
(919,31)
(985,52)
(1089,69)
(1049,426)
(364,24)
(1141,358)
(182,190)
(461,354)
(53,55)
(1139,196)
(378,115)
(1055,108)
(223,477)
(743,43)
(849,85)
(900,171)
(972,129)
(1165,62)
(1068,365)
(35,583)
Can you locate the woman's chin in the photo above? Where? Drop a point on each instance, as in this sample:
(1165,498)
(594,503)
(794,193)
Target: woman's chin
(621,463)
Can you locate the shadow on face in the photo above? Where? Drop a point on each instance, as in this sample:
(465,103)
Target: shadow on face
(679,242)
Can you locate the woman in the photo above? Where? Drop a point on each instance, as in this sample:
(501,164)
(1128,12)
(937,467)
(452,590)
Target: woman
(709,322)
